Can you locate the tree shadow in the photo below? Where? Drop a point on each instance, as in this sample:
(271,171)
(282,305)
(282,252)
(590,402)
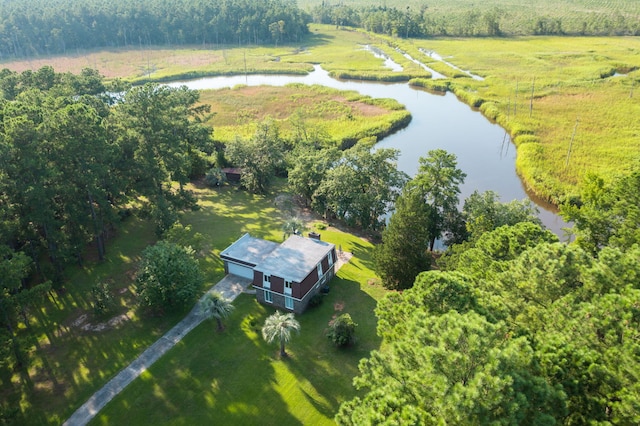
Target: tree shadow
(209,378)
(318,39)
(330,370)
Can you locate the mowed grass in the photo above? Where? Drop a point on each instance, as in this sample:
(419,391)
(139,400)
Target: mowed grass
(68,359)
(234,377)
(75,352)
(302,110)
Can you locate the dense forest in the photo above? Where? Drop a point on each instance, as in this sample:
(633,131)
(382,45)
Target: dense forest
(34,27)
(74,163)
(469,19)
(514,327)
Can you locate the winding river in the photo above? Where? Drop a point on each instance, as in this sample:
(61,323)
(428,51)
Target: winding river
(485,151)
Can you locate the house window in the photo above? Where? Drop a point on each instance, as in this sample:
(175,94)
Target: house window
(319,269)
(330,258)
(268,297)
(288,302)
(287,287)
(266,281)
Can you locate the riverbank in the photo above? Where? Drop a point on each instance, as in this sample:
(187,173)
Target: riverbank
(567,102)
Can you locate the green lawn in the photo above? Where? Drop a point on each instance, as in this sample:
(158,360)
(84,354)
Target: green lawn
(234,377)
(69,362)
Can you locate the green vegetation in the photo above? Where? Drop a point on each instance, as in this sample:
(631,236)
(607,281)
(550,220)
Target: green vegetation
(303,114)
(517,328)
(551,328)
(578,100)
(34,27)
(342,330)
(168,277)
(278,327)
(217,307)
(415,18)
(236,377)
(581,118)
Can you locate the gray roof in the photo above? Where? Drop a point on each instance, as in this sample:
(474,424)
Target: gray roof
(249,250)
(295,258)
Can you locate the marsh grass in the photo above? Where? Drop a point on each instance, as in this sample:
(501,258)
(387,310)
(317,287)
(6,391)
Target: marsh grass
(573,80)
(343,116)
(590,80)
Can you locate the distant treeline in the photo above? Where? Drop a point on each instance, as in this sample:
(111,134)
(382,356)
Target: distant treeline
(34,27)
(419,22)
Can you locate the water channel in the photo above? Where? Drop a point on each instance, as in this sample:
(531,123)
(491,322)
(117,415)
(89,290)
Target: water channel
(484,150)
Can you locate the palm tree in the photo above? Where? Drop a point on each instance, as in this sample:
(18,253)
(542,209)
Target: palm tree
(279,325)
(216,306)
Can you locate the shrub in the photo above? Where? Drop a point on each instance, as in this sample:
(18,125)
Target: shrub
(316,300)
(215,177)
(103,301)
(342,330)
(169,277)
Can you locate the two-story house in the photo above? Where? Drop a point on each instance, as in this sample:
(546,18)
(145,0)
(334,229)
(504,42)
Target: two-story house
(284,275)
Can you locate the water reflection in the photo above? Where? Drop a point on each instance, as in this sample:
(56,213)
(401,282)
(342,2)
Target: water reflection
(388,62)
(484,150)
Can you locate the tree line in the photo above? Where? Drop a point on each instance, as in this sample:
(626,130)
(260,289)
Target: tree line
(472,22)
(76,160)
(514,327)
(36,27)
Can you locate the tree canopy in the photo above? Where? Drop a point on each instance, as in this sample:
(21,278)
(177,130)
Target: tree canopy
(34,27)
(73,159)
(518,329)
(168,277)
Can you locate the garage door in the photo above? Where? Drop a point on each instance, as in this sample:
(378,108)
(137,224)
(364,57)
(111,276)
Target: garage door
(240,270)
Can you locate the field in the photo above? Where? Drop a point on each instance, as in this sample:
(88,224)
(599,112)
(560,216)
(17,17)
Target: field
(569,103)
(340,117)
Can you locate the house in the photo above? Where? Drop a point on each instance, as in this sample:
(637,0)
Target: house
(232,174)
(284,275)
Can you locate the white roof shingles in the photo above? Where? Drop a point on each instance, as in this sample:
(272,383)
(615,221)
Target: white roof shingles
(249,250)
(294,258)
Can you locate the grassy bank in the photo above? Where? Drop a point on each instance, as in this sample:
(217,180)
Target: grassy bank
(569,103)
(342,118)
(584,89)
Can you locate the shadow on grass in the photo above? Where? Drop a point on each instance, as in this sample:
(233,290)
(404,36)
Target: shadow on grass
(329,370)
(210,377)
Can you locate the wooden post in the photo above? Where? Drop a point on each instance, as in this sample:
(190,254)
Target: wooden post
(246,77)
(566,164)
(515,100)
(533,85)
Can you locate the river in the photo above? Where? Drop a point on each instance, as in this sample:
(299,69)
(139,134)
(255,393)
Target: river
(484,150)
